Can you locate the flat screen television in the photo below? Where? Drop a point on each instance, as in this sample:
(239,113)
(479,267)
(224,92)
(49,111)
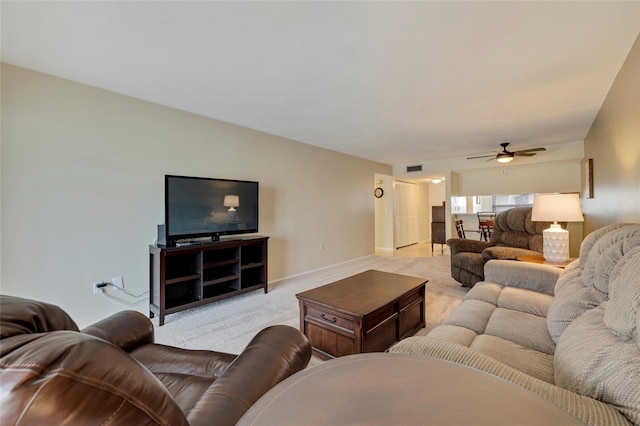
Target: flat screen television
(197,208)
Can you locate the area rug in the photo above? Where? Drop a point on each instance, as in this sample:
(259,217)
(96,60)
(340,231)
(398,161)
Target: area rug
(229,325)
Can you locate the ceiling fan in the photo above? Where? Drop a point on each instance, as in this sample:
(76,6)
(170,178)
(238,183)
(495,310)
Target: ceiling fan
(506,156)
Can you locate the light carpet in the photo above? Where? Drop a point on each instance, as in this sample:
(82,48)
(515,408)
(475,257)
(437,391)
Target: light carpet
(228,325)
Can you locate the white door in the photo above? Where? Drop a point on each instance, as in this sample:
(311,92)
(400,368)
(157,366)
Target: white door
(406,214)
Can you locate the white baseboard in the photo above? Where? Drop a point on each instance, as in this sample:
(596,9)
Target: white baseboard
(320,269)
(385,249)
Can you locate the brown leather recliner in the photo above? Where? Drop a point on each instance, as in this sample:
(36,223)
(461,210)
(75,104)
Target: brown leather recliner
(514,234)
(113,373)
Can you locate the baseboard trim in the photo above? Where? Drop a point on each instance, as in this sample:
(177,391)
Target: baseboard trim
(385,249)
(346,262)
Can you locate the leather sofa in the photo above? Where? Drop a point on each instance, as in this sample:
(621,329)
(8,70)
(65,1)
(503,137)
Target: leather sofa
(514,234)
(570,336)
(113,373)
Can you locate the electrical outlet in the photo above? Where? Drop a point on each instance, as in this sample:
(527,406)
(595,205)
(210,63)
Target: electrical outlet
(118,281)
(98,287)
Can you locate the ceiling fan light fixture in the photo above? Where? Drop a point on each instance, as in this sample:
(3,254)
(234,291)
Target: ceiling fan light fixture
(504,157)
(436,180)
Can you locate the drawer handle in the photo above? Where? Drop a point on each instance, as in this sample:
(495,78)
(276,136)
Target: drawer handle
(333,319)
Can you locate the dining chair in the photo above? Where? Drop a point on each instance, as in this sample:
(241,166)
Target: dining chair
(460,229)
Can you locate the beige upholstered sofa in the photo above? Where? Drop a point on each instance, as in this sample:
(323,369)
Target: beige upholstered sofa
(514,234)
(570,336)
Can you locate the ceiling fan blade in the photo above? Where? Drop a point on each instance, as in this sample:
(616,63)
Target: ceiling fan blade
(522,153)
(481,156)
(531,150)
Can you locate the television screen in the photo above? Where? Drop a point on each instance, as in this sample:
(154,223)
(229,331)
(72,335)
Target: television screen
(203,207)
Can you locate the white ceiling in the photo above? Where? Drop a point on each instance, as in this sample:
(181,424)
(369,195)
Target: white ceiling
(394,82)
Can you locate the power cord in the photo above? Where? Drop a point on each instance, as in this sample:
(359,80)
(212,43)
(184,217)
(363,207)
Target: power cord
(136,296)
(109,295)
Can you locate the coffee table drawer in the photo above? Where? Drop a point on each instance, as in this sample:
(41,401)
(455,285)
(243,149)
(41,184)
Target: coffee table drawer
(410,299)
(329,318)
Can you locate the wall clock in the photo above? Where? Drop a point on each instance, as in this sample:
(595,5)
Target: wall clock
(378,192)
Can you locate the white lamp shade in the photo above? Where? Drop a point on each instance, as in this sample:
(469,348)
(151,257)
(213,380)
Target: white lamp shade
(231,201)
(557,208)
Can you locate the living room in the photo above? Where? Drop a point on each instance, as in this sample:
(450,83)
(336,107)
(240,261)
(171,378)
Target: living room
(82,173)
(321,103)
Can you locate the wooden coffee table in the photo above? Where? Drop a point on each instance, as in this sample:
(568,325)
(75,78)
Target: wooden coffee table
(367,312)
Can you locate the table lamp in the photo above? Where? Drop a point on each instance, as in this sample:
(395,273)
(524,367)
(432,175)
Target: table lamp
(231,201)
(556,208)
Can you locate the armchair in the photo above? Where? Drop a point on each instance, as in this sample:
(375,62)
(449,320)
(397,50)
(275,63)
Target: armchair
(514,234)
(112,372)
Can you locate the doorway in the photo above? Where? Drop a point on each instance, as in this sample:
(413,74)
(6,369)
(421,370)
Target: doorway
(408,233)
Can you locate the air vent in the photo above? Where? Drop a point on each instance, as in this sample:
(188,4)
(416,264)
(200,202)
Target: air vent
(414,168)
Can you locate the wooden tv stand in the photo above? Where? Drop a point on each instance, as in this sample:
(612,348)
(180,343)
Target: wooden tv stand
(185,277)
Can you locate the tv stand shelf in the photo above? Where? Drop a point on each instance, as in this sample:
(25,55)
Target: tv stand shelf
(186,277)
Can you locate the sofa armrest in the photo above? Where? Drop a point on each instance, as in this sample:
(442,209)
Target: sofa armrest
(526,275)
(125,329)
(588,410)
(163,360)
(273,354)
(458,245)
(506,253)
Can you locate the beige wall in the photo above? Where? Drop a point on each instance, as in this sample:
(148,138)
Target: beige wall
(384,214)
(424,211)
(82,173)
(531,179)
(614,145)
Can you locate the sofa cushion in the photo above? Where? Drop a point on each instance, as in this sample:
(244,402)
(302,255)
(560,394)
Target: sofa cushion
(621,311)
(529,302)
(530,276)
(606,253)
(453,333)
(585,285)
(179,369)
(593,237)
(590,360)
(571,300)
(510,313)
(525,329)
(505,323)
(472,314)
(522,358)
(487,292)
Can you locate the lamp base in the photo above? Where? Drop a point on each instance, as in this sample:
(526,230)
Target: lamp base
(555,244)
(231,215)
